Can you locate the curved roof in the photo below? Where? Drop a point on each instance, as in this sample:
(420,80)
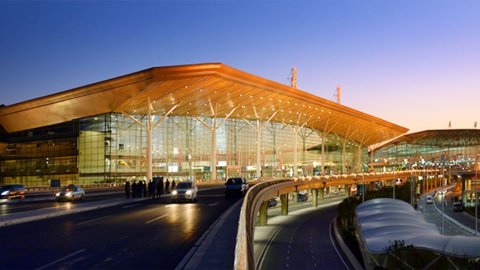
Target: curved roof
(201,90)
(382,221)
(440,138)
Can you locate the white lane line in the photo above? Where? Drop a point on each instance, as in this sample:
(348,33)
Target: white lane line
(131,205)
(93,220)
(61,259)
(335,247)
(213,204)
(155,219)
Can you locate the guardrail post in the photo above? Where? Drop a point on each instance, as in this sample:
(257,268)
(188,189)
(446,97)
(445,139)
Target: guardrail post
(315,197)
(263,214)
(284,204)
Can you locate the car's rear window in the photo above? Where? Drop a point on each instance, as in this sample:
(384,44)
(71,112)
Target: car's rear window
(233,181)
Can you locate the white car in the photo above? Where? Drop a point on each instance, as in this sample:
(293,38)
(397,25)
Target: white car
(70,193)
(184,191)
(429,199)
(442,192)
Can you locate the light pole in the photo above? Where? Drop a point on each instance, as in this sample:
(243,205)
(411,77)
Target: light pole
(476,197)
(364,188)
(443,182)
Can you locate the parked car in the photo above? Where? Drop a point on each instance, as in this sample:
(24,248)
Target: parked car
(236,186)
(70,193)
(429,199)
(12,192)
(458,206)
(184,191)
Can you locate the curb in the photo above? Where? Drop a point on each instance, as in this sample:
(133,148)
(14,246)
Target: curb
(197,252)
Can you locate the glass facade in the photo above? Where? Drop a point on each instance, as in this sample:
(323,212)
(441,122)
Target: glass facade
(111,148)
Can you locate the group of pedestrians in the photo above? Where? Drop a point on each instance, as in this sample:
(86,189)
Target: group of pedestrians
(152,189)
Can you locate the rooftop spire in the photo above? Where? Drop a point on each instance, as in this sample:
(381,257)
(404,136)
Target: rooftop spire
(293,78)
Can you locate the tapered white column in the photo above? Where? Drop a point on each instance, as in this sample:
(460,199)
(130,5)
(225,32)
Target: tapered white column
(259,149)
(295,153)
(213,165)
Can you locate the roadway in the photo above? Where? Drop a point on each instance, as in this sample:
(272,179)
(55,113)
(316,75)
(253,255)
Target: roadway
(302,240)
(141,235)
(433,214)
(46,201)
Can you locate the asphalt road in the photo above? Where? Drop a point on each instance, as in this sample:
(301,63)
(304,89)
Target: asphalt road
(306,243)
(433,216)
(15,206)
(144,235)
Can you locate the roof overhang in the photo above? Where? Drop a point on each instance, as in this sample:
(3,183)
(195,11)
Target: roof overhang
(201,90)
(442,138)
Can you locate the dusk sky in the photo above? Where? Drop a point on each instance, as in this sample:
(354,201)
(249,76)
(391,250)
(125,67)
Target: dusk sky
(414,63)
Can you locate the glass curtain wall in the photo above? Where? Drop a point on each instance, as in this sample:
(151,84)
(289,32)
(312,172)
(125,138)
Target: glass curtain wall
(111,148)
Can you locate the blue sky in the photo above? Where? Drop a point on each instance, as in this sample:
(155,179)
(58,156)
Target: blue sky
(414,63)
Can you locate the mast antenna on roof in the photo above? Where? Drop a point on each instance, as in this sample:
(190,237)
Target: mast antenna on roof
(338,94)
(293,77)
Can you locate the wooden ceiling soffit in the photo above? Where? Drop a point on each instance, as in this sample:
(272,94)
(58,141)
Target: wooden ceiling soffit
(193,86)
(77,103)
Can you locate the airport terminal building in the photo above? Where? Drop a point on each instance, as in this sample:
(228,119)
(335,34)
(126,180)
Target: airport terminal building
(203,121)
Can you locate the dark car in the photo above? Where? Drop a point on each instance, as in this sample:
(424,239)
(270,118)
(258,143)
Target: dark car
(236,186)
(12,192)
(458,206)
(302,197)
(273,202)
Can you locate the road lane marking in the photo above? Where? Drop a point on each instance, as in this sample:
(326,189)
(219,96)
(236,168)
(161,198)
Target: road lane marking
(334,246)
(213,204)
(131,205)
(93,220)
(61,259)
(155,219)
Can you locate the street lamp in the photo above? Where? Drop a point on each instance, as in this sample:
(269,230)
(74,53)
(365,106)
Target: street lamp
(476,197)
(443,183)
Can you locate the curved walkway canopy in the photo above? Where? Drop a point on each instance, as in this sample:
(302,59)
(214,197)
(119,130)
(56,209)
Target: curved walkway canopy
(201,90)
(383,221)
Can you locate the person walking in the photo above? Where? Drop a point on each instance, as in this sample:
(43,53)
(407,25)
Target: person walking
(167,186)
(159,187)
(144,189)
(173,184)
(134,189)
(151,189)
(127,189)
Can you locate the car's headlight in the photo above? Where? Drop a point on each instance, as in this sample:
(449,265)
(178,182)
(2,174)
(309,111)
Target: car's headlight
(5,192)
(189,192)
(69,194)
(174,192)
(57,194)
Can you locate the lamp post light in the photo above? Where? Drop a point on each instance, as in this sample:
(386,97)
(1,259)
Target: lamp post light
(443,182)
(364,188)
(476,197)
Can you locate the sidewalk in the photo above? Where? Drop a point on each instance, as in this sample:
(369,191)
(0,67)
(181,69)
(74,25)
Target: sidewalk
(216,248)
